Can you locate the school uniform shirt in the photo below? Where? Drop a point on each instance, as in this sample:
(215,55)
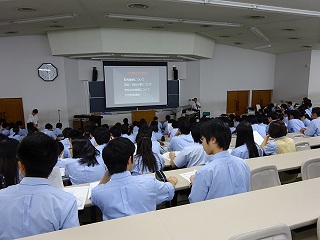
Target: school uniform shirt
(5,132)
(33,118)
(22,132)
(131,137)
(178,143)
(156,136)
(261,128)
(34,207)
(243,152)
(92,140)
(285,120)
(172,133)
(16,137)
(224,175)
(294,125)
(306,122)
(99,157)
(165,127)
(159,127)
(192,155)
(126,195)
(280,145)
(314,128)
(81,173)
(66,146)
(49,133)
(57,132)
(309,112)
(135,130)
(156,147)
(138,167)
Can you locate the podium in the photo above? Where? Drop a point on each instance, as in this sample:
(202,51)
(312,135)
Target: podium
(80,121)
(148,115)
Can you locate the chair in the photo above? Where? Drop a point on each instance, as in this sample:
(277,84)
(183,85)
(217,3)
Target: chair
(310,168)
(297,135)
(278,232)
(301,146)
(264,177)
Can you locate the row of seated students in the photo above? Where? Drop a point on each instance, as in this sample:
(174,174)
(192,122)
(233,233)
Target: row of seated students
(223,174)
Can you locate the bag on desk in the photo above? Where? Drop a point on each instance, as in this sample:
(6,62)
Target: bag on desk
(160,176)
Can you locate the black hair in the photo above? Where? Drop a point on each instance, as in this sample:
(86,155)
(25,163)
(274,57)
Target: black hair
(195,132)
(83,149)
(277,129)
(116,131)
(60,147)
(58,125)
(125,129)
(101,135)
(168,117)
(144,150)
(65,132)
(105,125)
(15,130)
(31,128)
(316,110)
(19,123)
(125,121)
(184,126)
(252,119)
(48,126)
(154,126)
(35,111)
(284,106)
(9,161)
(117,153)
(72,133)
(144,130)
(175,124)
(38,153)
(289,102)
(295,114)
(245,136)
(273,115)
(219,130)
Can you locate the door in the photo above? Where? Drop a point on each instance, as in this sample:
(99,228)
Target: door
(262,97)
(11,109)
(237,102)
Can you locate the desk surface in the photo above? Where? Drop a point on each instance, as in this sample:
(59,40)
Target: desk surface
(295,204)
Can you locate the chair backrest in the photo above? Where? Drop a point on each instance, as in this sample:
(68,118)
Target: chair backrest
(55,178)
(303,145)
(297,135)
(310,168)
(277,232)
(264,177)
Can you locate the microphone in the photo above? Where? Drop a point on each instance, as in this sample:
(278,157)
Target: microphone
(59,114)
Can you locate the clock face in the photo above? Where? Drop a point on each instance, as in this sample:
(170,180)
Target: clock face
(48,72)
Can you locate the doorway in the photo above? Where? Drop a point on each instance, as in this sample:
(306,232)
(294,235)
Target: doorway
(237,102)
(11,109)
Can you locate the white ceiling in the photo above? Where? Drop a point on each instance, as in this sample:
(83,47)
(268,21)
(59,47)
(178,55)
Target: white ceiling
(91,13)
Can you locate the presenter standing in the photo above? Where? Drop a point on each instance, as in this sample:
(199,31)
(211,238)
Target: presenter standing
(33,117)
(196,106)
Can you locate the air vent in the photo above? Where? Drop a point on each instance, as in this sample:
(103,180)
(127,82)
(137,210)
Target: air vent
(56,26)
(158,27)
(11,32)
(205,26)
(293,38)
(138,5)
(307,46)
(256,17)
(26,9)
(128,20)
(238,43)
(224,36)
(288,29)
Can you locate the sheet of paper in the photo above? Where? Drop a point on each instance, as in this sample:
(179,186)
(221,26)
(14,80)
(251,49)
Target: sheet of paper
(55,178)
(62,172)
(187,175)
(257,138)
(80,194)
(166,155)
(92,185)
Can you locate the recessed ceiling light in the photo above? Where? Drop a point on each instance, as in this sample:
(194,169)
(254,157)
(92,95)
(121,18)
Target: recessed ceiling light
(26,9)
(205,26)
(293,38)
(255,17)
(158,27)
(288,29)
(307,46)
(128,20)
(56,26)
(238,43)
(225,36)
(138,5)
(11,32)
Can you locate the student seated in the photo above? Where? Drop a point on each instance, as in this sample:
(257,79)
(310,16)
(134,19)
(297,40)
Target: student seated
(224,174)
(33,206)
(281,143)
(126,132)
(192,155)
(102,137)
(156,134)
(183,137)
(294,123)
(174,130)
(165,125)
(83,167)
(245,145)
(57,131)
(15,134)
(146,161)
(126,195)
(49,131)
(314,126)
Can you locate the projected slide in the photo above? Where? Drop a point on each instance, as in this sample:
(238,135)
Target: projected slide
(135,85)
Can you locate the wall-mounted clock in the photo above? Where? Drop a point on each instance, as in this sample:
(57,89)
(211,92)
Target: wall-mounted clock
(47,72)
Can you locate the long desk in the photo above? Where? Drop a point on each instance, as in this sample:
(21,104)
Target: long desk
(295,204)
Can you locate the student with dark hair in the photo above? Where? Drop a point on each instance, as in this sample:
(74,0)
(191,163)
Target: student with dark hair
(175,128)
(156,134)
(183,137)
(57,131)
(31,128)
(192,155)
(15,134)
(84,167)
(245,145)
(155,118)
(165,125)
(49,131)
(60,163)
(66,142)
(145,130)
(281,143)
(314,126)
(289,104)
(145,160)
(33,117)
(294,123)
(102,137)
(22,132)
(124,194)
(304,119)
(126,132)
(308,107)
(8,161)
(5,129)
(224,174)
(115,131)
(44,207)
(135,127)
(125,122)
